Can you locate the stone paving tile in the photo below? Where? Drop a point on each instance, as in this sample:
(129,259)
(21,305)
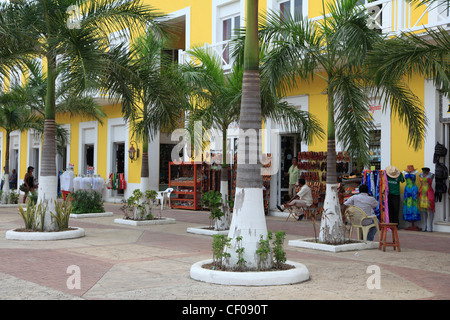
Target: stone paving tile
(153,262)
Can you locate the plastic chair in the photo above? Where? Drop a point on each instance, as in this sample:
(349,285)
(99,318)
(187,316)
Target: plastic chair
(164,196)
(356,216)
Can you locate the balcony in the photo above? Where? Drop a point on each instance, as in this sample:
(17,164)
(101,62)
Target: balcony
(390,17)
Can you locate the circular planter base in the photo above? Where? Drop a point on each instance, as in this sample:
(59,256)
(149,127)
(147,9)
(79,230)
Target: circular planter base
(91,215)
(252,278)
(356,245)
(43,236)
(205,230)
(144,222)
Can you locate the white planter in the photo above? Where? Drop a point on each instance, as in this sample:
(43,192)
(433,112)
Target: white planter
(310,244)
(145,222)
(252,278)
(42,236)
(204,230)
(91,215)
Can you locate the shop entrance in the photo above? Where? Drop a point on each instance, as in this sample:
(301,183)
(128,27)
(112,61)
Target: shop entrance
(289,148)
(119,160)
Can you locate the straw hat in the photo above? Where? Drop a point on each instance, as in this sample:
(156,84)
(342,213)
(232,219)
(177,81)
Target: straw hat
(392,172)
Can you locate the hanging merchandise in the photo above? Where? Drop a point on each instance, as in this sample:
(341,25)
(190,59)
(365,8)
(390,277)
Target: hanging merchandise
(110,182)
(377,184)
(410,203)
(86,183)
(76,184)
(122,182)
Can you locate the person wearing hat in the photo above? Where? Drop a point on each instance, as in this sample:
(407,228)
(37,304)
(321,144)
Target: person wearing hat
(394,178)
(426,198)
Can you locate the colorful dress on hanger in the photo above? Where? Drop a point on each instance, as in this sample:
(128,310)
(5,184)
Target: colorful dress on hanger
(426,192)
(411,197)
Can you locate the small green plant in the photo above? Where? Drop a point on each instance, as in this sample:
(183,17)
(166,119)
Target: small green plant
(62,214)
(213,200)
(278,252)
(139,204)
(220,241)
(85,201)
(13,197)
(240,252)
(33,216)
(264,250)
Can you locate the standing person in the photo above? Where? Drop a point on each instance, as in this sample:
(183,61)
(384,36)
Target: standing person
(302,199)
(394,177)
(3,179)
(29,182)
(294,175)
(365,202)
(13,180)
(426,198)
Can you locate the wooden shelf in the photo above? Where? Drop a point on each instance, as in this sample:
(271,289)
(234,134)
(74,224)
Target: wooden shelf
(186,170)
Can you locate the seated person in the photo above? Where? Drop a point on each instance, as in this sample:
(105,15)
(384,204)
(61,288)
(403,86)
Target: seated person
(303,198)
(365,202)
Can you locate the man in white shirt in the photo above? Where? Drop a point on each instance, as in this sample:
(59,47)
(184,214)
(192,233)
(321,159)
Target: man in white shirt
(303,198)
(365,202)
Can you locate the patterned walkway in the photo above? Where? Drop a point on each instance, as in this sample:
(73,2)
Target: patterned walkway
(120,262)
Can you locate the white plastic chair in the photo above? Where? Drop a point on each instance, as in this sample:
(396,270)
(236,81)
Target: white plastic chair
(164,196)
(356,216)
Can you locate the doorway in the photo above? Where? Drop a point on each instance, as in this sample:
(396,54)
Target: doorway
(290,146)
(118,165)
(88,158)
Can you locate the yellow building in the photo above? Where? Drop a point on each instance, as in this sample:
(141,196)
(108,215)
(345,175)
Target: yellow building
(104,147)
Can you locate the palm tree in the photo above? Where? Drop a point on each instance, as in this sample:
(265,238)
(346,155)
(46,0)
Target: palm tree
(335,49)
(78,54)
(218,93)
(248,224)
(14,115)
(160,93)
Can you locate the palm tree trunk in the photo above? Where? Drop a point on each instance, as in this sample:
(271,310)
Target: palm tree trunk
(224,222)
(248,219)
(331,228)
(48,181)
(145,180)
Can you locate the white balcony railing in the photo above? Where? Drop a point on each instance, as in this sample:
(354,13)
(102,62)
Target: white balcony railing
(391,17)
(221,50)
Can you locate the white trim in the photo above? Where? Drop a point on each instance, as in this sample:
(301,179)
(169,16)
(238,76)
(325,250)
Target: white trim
(30,154)
(84,126)
(216,18)
(116,122)
(187,13)
(11,148)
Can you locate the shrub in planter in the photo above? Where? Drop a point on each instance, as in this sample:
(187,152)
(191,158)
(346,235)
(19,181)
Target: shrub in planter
(139,205)
(84,201)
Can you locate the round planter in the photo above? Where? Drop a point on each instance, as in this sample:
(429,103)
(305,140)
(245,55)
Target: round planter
(356,245)
(91,215)
(205,230)
(144,222)
(42,236)
(251,278)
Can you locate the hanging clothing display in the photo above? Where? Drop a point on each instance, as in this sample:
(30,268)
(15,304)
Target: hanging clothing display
(377,183)
(411,196)
(426,192)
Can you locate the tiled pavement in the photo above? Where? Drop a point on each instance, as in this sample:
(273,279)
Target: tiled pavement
(120,262)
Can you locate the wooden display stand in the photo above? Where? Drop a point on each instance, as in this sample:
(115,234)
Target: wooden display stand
(187,185)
